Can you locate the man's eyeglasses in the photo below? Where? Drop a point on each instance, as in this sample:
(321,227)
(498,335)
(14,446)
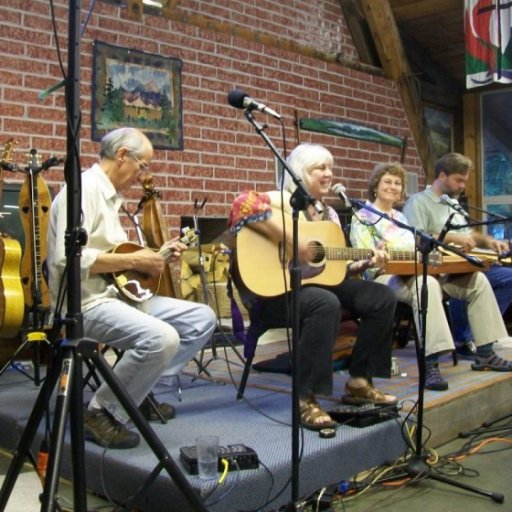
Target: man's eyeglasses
(143,166)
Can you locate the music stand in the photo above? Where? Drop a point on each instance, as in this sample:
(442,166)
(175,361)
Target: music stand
(417,466)
(67,367)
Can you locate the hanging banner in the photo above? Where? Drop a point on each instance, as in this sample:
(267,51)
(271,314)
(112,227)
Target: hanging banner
(488,29)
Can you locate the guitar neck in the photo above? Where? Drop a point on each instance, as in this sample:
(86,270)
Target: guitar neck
(352,253)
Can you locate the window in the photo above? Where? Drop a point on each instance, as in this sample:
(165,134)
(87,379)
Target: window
(497,158)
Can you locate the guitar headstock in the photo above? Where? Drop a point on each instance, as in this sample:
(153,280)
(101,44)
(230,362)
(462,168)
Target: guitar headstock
(34,160)
(8,155)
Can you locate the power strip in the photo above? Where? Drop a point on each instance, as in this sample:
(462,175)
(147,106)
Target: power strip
(239,457)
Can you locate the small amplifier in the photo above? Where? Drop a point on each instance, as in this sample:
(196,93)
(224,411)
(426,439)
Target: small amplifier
(239,457)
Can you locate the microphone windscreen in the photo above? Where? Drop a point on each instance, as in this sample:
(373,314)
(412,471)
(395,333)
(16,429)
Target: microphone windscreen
(236,98)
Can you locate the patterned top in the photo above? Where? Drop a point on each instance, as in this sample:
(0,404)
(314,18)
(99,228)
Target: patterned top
(251,206)
(368,230)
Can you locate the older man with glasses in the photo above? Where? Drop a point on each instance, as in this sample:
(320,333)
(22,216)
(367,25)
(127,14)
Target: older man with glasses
(158,336)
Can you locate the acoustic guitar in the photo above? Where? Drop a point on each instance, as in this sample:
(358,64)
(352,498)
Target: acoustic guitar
(265,267)
(136,286)
(12,307)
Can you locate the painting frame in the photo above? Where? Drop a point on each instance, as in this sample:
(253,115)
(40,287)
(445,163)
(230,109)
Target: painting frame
(137,89)
(440,125)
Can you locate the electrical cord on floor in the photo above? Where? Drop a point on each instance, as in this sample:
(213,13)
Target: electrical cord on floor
(221,480)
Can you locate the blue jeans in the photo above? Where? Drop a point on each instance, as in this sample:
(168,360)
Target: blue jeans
(156,342)
(501,283)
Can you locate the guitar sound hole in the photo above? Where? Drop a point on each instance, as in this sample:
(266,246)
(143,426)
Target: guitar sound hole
(318,252)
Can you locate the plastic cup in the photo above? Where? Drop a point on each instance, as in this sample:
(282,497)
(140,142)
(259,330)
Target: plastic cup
(207,456)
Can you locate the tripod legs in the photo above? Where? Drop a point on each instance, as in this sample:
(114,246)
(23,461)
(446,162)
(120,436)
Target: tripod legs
(203,367)
(69,399)
(418,468)
(27,436)
(35,337)
(488,427)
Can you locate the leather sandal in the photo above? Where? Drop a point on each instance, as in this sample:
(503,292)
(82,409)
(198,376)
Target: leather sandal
(366,395)
(310,411)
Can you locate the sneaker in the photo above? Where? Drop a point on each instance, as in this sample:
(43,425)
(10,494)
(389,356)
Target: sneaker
(101,428)
(493,363)
(148,406)
(433,378)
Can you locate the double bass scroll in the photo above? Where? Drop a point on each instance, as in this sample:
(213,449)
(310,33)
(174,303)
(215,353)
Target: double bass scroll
(156,231)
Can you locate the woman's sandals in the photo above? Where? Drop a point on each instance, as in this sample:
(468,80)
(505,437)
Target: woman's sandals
(310,412)
(366,395)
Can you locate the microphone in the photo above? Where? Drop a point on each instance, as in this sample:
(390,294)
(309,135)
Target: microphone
(339,190)
(240,99)
(445,199)
(447,226)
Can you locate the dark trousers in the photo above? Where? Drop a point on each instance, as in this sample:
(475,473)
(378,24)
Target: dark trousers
(320,312)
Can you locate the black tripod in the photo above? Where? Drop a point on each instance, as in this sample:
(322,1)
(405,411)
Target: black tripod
(417,466)
(66,370)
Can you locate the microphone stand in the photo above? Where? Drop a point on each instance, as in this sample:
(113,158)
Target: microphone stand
(65,372)
(417,466)
(299,201)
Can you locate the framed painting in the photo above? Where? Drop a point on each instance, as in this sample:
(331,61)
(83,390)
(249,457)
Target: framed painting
(440,126)
(137,89)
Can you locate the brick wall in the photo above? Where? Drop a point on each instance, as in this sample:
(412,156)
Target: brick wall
(244,46)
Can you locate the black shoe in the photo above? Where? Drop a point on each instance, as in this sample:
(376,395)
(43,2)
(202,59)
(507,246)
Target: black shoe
(101,428)
(147,408)
(466,349)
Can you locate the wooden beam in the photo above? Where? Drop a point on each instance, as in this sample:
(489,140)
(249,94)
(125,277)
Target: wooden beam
(405,10)
(172,12)
(396,67)
(360,33)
